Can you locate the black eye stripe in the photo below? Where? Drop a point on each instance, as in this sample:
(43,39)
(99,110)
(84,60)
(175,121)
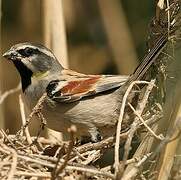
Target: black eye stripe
(27,52)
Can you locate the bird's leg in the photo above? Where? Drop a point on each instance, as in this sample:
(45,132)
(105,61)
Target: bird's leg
(95,134)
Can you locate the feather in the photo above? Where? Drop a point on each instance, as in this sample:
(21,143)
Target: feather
(74,86)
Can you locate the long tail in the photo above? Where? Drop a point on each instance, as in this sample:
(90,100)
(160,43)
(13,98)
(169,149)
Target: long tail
(149,59)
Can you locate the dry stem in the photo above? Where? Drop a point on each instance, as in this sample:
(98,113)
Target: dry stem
(9,92)
(36,110)
(117,144)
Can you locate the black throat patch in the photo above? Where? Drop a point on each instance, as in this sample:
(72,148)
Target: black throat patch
(25,74)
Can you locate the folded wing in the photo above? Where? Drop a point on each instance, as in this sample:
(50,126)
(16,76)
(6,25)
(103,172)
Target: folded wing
(75,86)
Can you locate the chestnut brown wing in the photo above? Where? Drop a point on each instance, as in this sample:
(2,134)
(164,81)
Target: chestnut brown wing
(73,90)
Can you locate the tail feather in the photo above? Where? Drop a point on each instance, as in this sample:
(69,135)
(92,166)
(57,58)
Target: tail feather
(149,59)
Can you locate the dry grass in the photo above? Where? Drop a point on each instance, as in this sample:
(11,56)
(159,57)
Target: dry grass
(26,157)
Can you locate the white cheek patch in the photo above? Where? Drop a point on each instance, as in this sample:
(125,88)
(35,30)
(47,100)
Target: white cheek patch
(27,62)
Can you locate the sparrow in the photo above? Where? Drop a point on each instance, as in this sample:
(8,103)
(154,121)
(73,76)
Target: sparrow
(91,102)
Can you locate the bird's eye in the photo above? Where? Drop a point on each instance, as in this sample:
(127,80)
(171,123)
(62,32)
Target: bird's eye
(26,52)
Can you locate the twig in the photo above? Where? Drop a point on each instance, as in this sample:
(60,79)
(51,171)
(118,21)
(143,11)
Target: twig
(35,110)
(33,174)
(14,160)
(168,16)
(135,169)
(120,122)
(129,161)
(33,159)
(142,104)
(92,157)
(105,143)
(90,170)
(136,122)
(23,118)
(26,130)
(72,130)
(68,168)
(142,120)
(43,124)
(79,155)
(9,92)
(8,139)
(160,4)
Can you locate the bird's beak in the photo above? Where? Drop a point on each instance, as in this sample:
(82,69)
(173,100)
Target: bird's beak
(11,55)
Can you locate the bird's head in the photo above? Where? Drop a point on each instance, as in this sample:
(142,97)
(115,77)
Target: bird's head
(32,60)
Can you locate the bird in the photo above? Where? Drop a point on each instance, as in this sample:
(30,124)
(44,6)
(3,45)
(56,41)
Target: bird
(90,102)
